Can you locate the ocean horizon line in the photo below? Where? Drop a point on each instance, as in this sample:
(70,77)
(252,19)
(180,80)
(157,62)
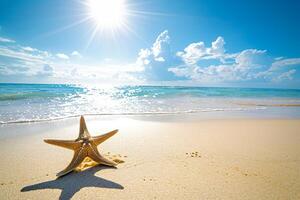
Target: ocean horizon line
(148,85)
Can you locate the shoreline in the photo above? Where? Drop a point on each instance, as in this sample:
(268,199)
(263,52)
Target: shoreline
(272,112)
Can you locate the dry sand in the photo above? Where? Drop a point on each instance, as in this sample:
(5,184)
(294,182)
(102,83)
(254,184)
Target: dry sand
(208,159)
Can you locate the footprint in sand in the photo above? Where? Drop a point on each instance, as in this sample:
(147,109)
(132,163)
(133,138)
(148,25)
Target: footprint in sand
(195,154)
(243,172)
(116,158)
(148,179)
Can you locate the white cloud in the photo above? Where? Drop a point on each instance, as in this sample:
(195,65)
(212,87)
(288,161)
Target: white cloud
(284,63)
(278,58)
(211,73)
(157,52)
(285,76)
(155,60)
(207,64)
(192,53)
(160,46)
(18,53)
(143,57)
(76,54)
(197,51)
(217,47)
(62,56)
(29,49)
(25,61)
(195,63)
(31,64)
(2,39)
(230,67)
(180,71)
(249,59)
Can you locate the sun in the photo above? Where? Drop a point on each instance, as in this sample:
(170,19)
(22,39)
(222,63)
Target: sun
(107,13)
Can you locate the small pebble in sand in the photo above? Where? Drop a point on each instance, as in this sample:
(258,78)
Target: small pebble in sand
(118,160)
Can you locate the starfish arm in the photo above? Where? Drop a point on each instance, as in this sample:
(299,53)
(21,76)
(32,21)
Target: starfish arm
(101,138)
(95,155)
(82,128)
(69,144)
(78,157)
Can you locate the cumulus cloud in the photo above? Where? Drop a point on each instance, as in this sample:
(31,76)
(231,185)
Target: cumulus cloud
(161,46)
(211,73)
(217,47)
(214,64)
(197,51)
(228,67)
(62,56)
(155,60)
(250,59)
(199,63)
(157,52)
(193,53)
(76,54)
(144,57)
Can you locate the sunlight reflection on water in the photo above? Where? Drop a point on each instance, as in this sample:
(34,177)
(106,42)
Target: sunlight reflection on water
(33,102)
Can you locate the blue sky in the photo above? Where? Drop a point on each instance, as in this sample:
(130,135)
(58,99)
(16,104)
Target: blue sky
(203,42)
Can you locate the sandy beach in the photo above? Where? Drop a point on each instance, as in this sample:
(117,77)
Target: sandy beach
(199,159)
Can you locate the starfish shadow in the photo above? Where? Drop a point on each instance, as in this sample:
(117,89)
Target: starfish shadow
(73,182)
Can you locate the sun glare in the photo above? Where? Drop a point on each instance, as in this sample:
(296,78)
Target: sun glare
(107,13)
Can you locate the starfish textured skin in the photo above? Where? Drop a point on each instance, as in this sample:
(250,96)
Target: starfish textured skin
(84,146)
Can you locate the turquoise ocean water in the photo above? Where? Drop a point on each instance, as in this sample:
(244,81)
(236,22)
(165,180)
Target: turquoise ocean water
(21,103)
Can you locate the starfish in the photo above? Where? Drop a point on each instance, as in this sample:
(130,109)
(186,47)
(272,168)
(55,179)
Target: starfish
(84,146)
